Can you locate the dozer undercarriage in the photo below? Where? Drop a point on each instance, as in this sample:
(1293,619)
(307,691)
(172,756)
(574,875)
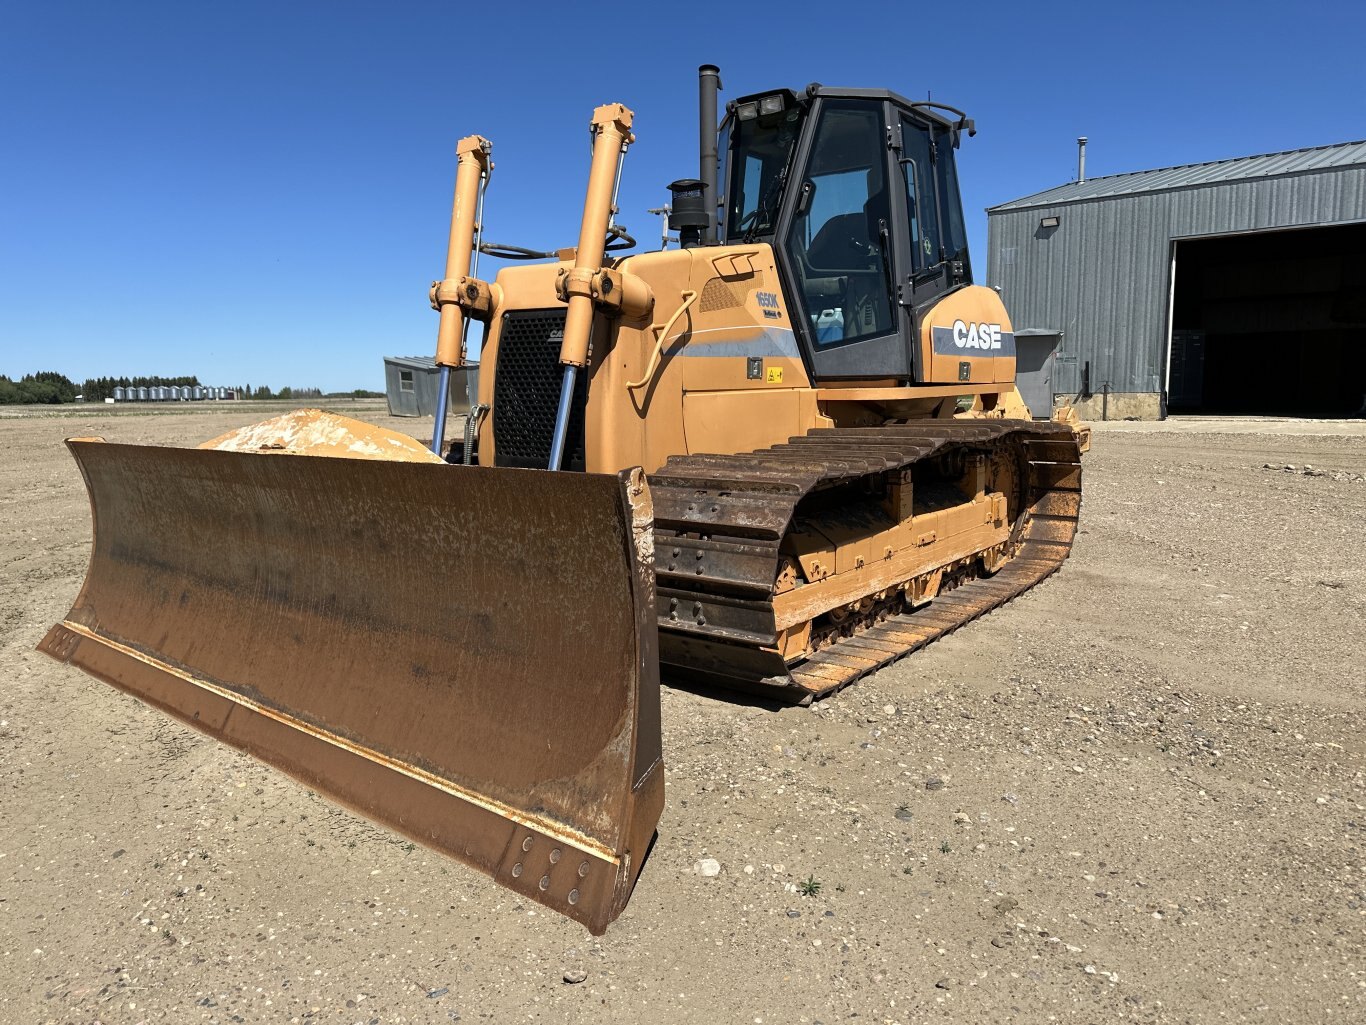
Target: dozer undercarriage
(795,570)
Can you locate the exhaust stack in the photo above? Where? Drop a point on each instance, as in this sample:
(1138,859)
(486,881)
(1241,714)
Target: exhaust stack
(1081,159)
(708,85)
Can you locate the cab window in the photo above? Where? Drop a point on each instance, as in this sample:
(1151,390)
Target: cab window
(918,171)
(759,160)
(955,238)
(840,235)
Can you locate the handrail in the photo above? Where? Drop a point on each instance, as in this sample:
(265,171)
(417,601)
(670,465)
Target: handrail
(689,296)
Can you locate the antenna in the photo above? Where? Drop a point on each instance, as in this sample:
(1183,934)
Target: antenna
(663,212)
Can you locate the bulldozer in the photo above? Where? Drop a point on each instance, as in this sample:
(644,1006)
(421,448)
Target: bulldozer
(771,459)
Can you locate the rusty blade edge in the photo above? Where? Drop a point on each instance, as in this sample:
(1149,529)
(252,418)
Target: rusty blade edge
(557,829)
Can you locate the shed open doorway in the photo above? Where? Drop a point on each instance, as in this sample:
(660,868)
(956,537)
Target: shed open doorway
(1270,323)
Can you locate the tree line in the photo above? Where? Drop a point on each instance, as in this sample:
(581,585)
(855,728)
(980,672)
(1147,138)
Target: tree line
(48,386)
(264,392)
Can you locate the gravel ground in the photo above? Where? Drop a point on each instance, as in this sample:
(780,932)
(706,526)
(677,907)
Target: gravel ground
(1133,795)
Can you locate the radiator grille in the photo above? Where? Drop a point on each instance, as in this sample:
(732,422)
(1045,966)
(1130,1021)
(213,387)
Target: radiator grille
(526,392)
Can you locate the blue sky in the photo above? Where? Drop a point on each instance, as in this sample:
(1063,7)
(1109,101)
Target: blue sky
(260,192)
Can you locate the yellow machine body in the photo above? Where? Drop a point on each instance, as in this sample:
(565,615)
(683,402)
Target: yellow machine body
(729,376)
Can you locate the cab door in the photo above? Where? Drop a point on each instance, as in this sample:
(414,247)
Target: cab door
(839,243)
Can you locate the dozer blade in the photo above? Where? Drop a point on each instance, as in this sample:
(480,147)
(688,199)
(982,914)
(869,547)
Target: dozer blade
(464,654)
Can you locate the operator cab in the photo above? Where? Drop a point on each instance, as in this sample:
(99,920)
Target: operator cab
(857,192)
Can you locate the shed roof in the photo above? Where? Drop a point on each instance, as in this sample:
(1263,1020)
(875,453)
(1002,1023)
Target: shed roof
(412,362)
(1214,172)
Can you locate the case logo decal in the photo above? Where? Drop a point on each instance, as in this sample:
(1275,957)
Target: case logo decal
(976,336)
(972,339)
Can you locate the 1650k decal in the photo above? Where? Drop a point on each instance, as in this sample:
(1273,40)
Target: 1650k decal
(768,302)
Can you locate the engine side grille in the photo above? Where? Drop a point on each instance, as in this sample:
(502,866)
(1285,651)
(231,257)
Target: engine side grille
(526,392)
(717,295)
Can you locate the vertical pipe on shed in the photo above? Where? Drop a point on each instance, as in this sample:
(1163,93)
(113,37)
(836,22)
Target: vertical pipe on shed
(1171,313)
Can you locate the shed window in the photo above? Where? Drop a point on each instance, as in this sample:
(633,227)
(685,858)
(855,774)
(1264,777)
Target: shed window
(405,380)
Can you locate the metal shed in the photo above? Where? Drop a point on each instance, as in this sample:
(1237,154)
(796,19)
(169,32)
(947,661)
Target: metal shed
(410,384)
(1235,286)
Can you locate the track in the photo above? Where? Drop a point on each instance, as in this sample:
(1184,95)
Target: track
(720,521)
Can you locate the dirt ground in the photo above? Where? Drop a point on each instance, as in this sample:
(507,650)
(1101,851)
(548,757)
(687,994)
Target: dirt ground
(1133,795)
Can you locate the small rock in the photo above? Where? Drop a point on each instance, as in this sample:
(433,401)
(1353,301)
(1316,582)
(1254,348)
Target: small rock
(441,992)
(118,853)
(1320,800)
(794,913)
(1001,942)
(943,984)
(749,870)
(934,783)
(1078,768)
(889,709)
(789,752)
(575,976)
(707,867)
(961,819)
(1089,969)
(1006,904)
(1010,799)
(904,814)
